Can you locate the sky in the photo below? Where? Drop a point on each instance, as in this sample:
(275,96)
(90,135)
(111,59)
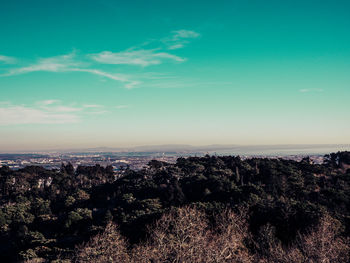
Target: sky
(84,73)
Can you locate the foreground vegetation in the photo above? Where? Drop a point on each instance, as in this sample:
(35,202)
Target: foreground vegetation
(201,209)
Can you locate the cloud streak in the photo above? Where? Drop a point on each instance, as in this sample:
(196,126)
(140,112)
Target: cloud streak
(179,38)
(68,63)
(7,60)
(310,90)
(53,64)
(90,63)
(122,107)
(21,114)
(128,82)
(92,106)
(46,112)
(142,57)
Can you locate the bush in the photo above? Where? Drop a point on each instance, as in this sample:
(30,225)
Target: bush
(108,246)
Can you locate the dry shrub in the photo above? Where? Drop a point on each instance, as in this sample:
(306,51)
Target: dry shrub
(321,245)
(227,244)
(324,244)
(183,235)
(178,236)
(279,254)
(35,260)
(108,246)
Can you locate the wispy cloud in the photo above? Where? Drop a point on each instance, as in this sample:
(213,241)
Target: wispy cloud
(181,34)
(310,90)
(69,63)
(146,57)
(52,64)
(56,106)
(47,102)
(179,38)
(92,106)
(128,82)
(99,112)
(46,112)
(7,60)
(95,109)
(11,114)
(142,57)
(122,106)
(176,46)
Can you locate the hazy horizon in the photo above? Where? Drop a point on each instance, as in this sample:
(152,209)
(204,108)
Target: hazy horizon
(85,74)
(221,149)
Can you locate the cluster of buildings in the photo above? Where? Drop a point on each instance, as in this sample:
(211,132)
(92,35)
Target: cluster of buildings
(119,160)
(54,160)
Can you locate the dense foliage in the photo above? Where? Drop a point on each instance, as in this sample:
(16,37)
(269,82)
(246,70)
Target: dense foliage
(48,213)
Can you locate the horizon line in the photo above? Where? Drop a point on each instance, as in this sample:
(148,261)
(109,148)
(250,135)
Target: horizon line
(179,147)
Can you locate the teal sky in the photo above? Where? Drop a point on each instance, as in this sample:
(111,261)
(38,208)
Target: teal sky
(125,73)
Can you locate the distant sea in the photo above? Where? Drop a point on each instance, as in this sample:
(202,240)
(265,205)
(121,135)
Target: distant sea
(281,150)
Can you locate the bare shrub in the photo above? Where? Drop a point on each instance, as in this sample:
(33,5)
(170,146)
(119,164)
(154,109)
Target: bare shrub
(227,243)
(108,246)
(183,235)
(321,245)
(178,236)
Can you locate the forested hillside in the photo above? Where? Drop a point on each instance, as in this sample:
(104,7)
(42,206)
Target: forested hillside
(200,209)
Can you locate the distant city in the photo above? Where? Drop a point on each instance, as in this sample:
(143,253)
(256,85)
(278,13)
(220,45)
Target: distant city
(138,157)
(135,161)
